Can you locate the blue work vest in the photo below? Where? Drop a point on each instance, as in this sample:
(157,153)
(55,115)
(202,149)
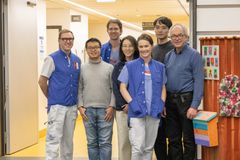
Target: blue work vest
(136,87)
(63,82)
(106,52)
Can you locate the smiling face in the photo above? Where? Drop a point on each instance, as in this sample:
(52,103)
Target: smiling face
(93,50)
(128,49)
(66,42)
(145,49)
(114,31)
(178,37)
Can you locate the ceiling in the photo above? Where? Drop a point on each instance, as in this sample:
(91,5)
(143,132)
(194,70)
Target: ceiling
(129,10)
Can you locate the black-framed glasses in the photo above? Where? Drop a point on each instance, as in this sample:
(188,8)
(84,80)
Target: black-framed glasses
(93,48)
(67,39)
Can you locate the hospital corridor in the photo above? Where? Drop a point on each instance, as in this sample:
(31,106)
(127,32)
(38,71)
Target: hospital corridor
(35,33)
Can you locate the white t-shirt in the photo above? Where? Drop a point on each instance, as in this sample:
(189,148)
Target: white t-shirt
(48,67)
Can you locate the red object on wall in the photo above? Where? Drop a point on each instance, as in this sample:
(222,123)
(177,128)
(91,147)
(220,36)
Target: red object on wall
(228,127)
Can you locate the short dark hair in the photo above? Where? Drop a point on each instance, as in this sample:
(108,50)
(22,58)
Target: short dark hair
(145,37)
(133,41)
(116,21)
(163,20)
(64,31)
(93,40)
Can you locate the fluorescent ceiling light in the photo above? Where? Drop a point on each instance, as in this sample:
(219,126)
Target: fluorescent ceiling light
(136,27)
(106,0)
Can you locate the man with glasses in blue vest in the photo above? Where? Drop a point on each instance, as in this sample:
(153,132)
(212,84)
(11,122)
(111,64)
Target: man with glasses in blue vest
(59,81)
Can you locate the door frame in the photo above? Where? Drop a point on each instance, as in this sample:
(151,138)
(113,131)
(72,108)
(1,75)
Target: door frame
(2,77)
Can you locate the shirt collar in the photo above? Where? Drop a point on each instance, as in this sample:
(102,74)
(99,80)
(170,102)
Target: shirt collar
(64,54)
(95,62)
(183,48)
(142,61)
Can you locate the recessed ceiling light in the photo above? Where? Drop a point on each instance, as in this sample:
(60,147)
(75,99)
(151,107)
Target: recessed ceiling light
(104,1)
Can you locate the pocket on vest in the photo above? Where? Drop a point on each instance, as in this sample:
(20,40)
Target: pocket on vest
(135,107)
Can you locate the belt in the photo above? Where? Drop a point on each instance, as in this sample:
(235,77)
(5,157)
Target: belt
(179,95)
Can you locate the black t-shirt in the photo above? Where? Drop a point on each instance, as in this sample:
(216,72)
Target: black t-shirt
(160,50)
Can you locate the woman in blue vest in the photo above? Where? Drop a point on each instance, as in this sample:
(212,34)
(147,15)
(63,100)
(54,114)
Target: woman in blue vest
(143,87)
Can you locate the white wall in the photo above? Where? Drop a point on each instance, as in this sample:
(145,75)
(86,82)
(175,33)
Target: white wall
(41,22)
(58,17)
(215,2)
(80,30)
(217,18)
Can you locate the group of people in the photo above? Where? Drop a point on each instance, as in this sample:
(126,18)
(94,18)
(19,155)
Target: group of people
(152,91)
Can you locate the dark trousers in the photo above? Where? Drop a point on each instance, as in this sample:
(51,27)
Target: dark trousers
(179,127)
(160,145)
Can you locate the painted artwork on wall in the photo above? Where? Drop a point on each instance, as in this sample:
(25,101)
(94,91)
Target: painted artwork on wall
(210,55)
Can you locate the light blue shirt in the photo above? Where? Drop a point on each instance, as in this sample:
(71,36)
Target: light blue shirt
(114,57)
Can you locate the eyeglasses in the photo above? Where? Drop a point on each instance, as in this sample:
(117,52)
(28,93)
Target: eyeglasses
(67,39)
(177,36)
(93,48)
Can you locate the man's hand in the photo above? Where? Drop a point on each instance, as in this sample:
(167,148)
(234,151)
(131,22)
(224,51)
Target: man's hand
(191,113)
(164,112)
(109,114)
(43,83)
(82,112)
(125,108)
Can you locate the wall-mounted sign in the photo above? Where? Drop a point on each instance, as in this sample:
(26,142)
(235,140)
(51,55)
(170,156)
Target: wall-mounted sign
(210,55)
(76,18)
(147,26)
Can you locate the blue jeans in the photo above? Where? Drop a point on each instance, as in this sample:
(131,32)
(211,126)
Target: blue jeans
(99,134)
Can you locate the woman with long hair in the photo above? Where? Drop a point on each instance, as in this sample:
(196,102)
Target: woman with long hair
(128,52)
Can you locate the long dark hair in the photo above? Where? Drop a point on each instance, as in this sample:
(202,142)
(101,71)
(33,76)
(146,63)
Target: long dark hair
(134,44)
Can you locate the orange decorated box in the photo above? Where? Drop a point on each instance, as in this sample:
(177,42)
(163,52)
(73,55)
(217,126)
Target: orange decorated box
(205,128)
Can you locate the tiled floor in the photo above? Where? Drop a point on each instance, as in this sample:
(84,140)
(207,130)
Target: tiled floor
(37,151)
(80,146)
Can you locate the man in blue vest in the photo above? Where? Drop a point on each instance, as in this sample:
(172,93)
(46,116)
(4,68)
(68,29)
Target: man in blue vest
(59,81)
(110,50)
